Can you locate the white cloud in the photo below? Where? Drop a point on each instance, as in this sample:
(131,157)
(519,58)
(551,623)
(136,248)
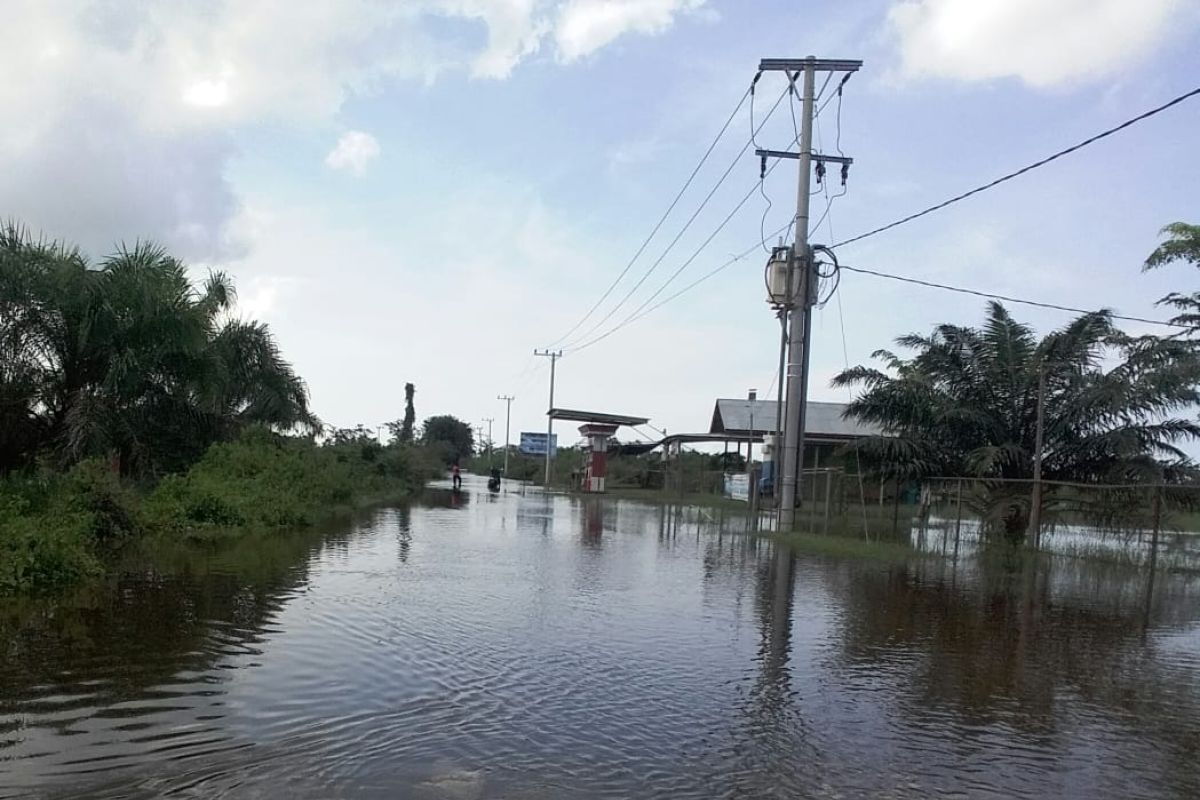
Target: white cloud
(584,26)
(212,93)
(353,152)
(515,32)
(1042,42)
(135,105)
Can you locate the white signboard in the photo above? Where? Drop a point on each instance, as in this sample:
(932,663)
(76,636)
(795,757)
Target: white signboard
(534,444)
(737,486)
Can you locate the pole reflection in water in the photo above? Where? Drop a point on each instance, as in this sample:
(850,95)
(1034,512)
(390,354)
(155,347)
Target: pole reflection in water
(593,524)
(778,620)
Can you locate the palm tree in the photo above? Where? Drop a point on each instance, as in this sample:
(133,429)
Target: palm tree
(965,405)
(1182,244)
(129,361)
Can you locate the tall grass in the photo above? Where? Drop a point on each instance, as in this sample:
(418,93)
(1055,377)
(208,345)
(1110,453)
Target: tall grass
(57,529)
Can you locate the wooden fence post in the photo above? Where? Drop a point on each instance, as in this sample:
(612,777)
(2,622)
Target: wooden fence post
(958,518)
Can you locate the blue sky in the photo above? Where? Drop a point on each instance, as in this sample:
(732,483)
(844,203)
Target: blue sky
(425,191)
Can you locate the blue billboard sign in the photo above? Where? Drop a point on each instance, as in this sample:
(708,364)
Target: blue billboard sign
(534,444)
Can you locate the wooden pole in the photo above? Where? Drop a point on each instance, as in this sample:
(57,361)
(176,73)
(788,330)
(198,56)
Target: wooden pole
(828,497)
(1157,506)
(958,518)
(1157,512)
(1034,534)
(896,509)
(752,500)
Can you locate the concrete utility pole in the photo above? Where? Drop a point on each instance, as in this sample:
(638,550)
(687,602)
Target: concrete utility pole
(803,290)
(489,421)
(507,419)
(554,356)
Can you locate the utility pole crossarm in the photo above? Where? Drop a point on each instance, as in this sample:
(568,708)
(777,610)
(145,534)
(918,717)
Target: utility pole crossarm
(815,156)
(790,65)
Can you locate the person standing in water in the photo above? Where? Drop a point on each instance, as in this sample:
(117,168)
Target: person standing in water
(455,476)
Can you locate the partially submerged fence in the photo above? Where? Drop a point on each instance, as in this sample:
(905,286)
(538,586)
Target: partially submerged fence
(1136,523)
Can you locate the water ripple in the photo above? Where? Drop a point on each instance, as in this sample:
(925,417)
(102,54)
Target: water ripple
(521,646)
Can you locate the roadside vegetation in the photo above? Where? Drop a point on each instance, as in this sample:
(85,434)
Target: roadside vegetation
(1118,408)
(134,402)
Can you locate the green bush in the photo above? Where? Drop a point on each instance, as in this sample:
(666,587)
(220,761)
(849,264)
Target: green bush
(54,528)
(111,507)
(45,551)
(262,480)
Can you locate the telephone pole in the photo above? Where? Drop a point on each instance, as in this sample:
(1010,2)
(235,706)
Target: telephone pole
(489,421)
(554,356)
(507,419)
(802,288)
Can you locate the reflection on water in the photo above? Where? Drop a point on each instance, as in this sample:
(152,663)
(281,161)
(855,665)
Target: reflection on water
(530,646)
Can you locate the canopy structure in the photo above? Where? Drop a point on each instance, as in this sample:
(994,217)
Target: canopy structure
(595,417)
(597,428)
(718,438)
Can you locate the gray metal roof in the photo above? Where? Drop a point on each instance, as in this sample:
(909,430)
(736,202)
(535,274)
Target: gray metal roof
(822,420)
(600,417)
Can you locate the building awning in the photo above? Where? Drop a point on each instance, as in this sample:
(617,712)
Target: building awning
(596,417)
(714,438)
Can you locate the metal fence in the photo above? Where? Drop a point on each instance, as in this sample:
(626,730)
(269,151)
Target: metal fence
(1136,523)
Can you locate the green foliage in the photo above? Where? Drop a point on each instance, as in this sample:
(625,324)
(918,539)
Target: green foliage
(966,405)
(263,480)
(840,546)
(568,461)
(111,506)
(44,552)
(405,434)
(400,431)
(55,529)
(129,361)
(449,437)
(1182,244)
(52,527)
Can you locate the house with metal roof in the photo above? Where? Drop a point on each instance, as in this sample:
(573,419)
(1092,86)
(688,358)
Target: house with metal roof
(823,422)
(826,431)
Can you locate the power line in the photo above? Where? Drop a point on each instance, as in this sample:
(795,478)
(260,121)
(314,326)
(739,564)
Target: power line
(642,310)
(710,274)
(1127,123)
(636,315)
(639,314)
(1005,298)
(682,231)
(837,94)
(662,219)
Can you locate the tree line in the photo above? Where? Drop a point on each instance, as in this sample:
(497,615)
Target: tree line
(1118,408)
(128,360)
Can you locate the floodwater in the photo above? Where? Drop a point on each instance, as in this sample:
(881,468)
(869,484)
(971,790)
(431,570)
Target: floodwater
(525,646)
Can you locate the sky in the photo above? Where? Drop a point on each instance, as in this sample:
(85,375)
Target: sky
(428,190)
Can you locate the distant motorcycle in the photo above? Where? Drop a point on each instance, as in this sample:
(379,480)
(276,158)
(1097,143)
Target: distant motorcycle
(494,482)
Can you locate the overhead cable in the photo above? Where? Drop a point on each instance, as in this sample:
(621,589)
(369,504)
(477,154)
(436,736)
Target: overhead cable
(1090,140)
(645,243)
(1005,298)
(704,203)
(712,273)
